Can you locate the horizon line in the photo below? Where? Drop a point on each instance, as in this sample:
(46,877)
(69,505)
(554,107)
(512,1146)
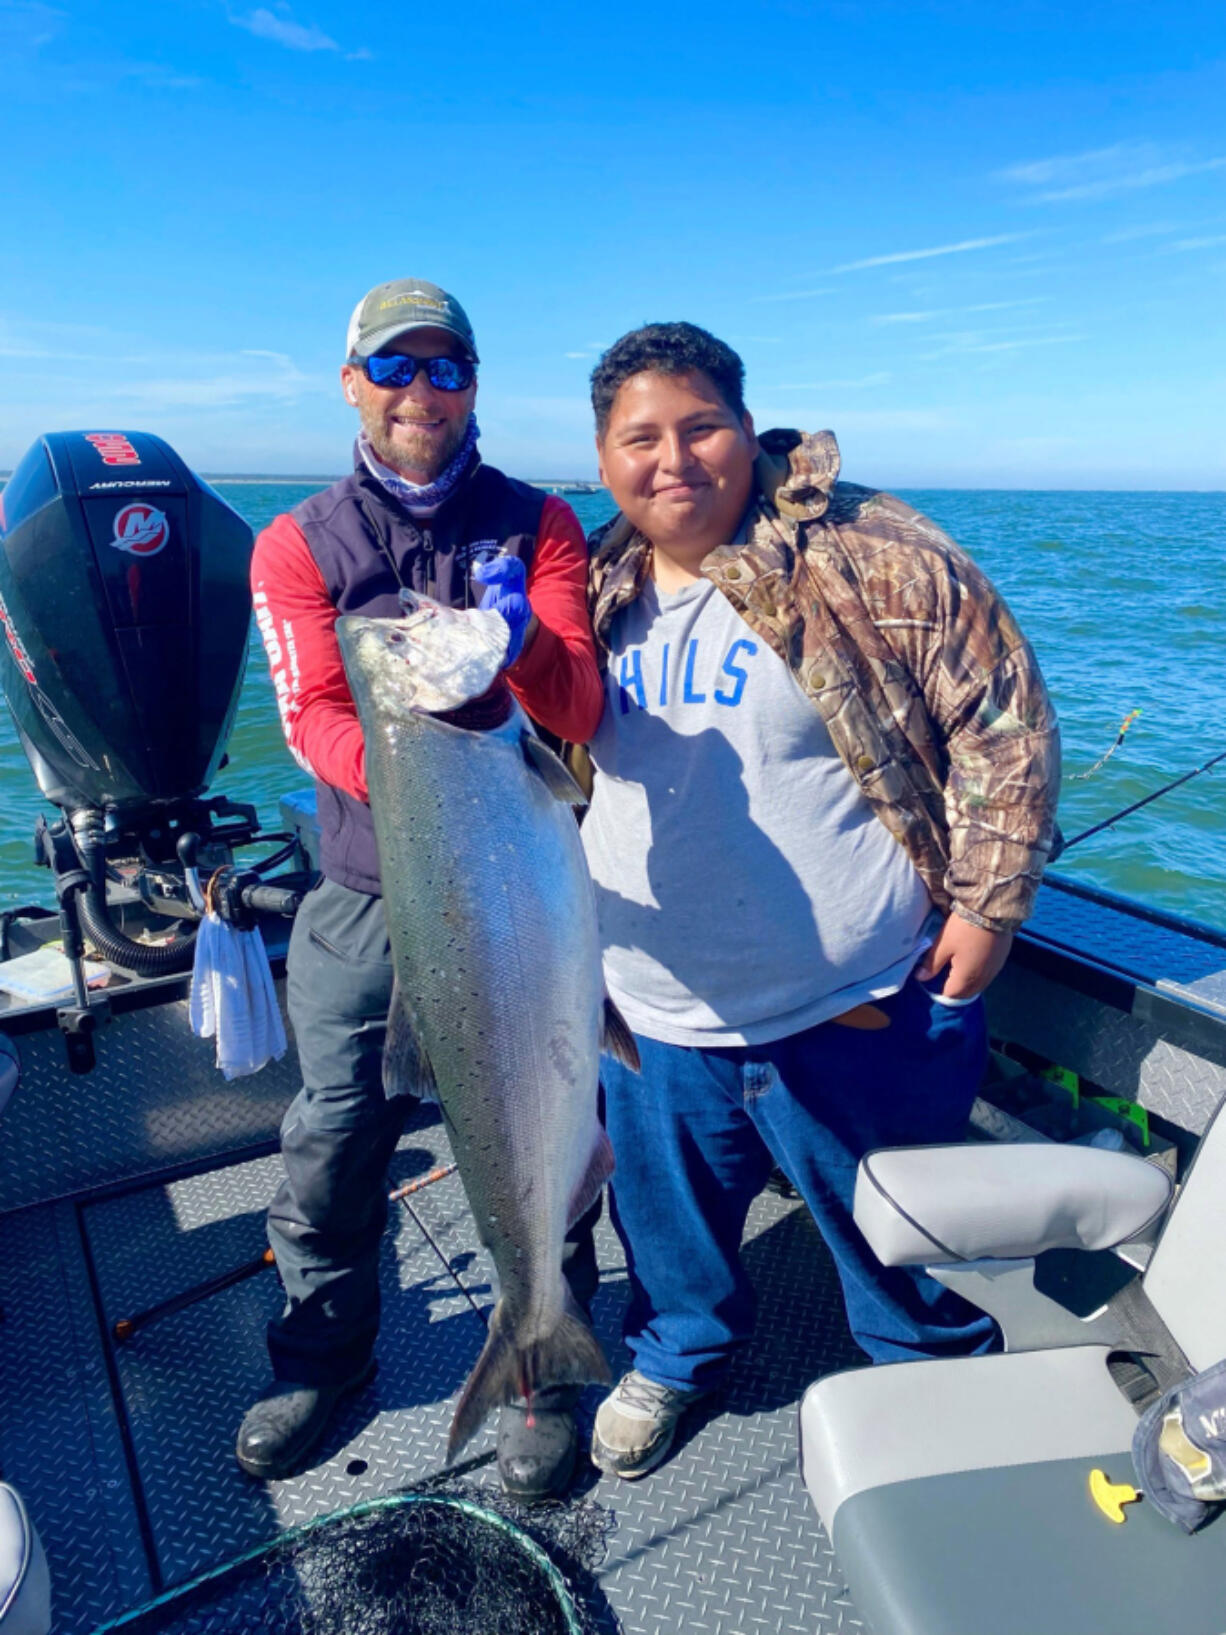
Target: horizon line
(593,485)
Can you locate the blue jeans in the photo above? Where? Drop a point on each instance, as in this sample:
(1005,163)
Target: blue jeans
(694,1136)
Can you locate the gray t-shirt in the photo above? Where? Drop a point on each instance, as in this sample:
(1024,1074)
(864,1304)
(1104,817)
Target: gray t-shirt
(745,889)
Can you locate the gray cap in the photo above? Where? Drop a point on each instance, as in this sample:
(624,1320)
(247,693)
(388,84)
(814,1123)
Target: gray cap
(391,310)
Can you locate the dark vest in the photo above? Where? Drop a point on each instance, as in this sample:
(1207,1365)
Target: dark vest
(356,532)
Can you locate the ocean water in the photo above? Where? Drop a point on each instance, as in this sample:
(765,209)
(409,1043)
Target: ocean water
(1123,597)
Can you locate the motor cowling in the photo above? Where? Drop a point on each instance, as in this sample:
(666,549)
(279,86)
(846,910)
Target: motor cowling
(125,608)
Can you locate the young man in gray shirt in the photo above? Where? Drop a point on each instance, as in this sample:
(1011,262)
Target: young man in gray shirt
(825,789)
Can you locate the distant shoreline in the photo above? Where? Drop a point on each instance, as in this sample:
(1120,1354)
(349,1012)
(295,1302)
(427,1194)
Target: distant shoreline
(581,485)
(569,485)
(565,485)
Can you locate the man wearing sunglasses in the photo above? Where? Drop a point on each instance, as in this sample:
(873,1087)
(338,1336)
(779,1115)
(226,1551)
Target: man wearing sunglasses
(421,510)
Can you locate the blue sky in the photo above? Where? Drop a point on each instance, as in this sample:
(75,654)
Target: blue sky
(985,244)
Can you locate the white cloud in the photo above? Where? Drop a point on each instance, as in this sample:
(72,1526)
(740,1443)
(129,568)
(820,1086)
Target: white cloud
(1199,243)
(18,349)
(952,312)
(865,381)
(74,343)
(538,437)
(157,76)
(26,26)
(1152,229)
(267,25)
(151,382)
(215,382)
(217,391)
(867,420)
(971,341)
(925,255)
(1037,172)
(1100,173)
(792,295)
(1043,258)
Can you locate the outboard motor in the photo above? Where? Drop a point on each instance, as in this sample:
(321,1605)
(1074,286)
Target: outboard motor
(125,610)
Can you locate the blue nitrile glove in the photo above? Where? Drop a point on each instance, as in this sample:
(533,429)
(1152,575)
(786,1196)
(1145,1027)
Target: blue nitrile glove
(506,579)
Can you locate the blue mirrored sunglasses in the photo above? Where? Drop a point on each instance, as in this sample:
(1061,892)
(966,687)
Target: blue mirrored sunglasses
(398,369)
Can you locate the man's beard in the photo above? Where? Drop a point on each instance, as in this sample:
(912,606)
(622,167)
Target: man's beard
(414,453)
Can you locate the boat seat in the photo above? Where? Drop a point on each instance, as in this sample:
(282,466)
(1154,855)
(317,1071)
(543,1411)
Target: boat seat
(957,1492)
(25,1586)
(917,1205)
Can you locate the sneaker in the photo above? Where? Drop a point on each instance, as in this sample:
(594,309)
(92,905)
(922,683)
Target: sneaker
(636,1423)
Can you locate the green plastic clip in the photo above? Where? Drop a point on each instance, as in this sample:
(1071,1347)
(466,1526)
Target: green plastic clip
(1130,1110)
(1065,1079)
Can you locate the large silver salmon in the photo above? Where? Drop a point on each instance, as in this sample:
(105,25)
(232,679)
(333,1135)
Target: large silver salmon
(499,1003)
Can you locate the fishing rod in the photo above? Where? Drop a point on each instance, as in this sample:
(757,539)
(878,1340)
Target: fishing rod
(1137,805)
(126,1327)
(401,1196)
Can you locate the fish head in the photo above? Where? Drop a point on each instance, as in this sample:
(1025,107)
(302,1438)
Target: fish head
(433,660)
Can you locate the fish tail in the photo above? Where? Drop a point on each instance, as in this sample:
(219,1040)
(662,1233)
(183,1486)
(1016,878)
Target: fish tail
(505,1371)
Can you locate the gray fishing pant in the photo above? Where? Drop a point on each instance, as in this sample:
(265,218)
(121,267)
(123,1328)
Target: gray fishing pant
(337,1139)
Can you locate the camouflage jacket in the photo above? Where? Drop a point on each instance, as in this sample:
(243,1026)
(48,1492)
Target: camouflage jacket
(930,692)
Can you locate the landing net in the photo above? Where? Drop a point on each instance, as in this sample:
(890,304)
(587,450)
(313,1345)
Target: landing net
(409,1564)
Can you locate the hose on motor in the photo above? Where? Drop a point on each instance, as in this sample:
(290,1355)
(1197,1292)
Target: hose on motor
(145,959)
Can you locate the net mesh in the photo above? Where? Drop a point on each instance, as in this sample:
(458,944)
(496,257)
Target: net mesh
(432,1563)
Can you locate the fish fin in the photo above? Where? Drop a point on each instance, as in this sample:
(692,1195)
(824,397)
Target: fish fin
(599,1168)
(406,1067)
(571,1355)
(618,1039)
(557,779)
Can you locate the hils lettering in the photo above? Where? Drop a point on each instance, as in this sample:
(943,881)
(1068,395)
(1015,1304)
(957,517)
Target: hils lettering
(732,676)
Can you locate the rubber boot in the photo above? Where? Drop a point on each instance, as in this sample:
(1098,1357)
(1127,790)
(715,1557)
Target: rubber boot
(280,1430)
(537,1448)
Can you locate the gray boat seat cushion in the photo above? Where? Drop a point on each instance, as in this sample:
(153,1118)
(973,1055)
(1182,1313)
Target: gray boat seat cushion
(956,1495)
(1186,1278)
(25,1586)
(925,1205)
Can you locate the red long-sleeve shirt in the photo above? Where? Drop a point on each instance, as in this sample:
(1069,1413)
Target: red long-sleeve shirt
(556,680)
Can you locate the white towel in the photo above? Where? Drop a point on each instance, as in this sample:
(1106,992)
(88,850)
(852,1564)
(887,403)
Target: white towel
(233,998)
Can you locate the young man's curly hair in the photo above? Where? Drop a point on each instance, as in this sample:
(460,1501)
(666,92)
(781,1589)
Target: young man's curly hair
(666,349)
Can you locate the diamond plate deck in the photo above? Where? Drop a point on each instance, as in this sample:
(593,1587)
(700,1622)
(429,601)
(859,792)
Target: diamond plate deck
(1123,1053)
(722,1539)
(211,1359)
(59,1439)
(1151,951)
(1119,1052)
(156,1094)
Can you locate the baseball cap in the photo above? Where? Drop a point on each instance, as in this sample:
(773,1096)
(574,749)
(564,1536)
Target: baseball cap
(391,310)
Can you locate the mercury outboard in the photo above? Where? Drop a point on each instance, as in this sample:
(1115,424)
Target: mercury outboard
(125,609)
